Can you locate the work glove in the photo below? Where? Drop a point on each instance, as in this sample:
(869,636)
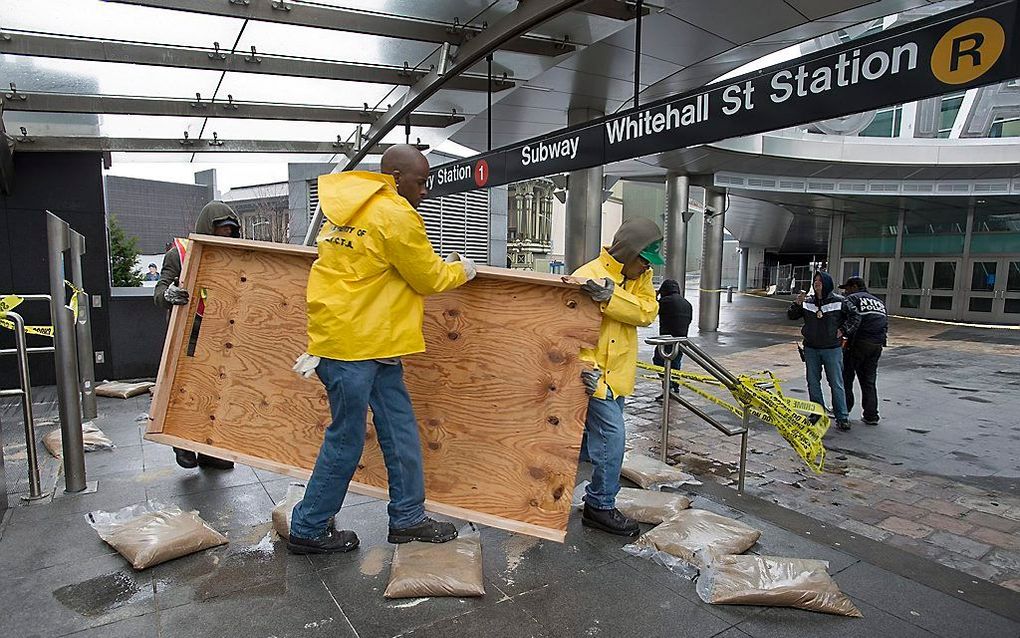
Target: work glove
(467,262)
(590,379)
(306,365)
(599,291)
(176,296)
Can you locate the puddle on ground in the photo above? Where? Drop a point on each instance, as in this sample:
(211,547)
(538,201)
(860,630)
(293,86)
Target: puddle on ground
(373,560)
(102,594)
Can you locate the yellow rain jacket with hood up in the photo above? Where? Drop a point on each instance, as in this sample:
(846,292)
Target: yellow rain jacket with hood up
(633,304)
(366,290)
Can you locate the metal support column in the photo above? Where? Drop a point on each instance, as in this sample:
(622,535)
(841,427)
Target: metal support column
(678,191)
(584,206)
(66,356)
(711,261)
(745,258)
(83,332)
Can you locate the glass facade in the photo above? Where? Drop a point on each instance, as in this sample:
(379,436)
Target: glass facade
(935,230)
(996,227)
(871,233)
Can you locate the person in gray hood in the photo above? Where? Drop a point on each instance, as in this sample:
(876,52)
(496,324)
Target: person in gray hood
(216,219)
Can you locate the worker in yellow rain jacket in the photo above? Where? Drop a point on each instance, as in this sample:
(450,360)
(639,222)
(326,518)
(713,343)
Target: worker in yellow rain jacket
(366,305)
(620,280)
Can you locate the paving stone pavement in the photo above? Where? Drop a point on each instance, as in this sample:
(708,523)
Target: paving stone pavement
(939,475)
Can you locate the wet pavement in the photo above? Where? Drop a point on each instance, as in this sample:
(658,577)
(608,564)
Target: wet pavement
(882,539)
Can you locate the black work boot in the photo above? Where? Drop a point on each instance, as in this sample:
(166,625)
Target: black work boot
(214,463)
(844,425)
(427,531)
(612,521)
(332,542)
(186,458)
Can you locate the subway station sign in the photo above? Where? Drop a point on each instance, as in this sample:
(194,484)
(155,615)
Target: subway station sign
(962,49)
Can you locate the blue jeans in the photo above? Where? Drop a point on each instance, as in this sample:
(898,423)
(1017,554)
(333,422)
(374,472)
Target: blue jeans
(603,444)
(352,387)
(832,360)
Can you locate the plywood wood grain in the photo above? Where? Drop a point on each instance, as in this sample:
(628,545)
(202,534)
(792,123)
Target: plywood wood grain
(497,395)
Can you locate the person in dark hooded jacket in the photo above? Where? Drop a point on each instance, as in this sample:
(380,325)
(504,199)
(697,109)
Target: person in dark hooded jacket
(829,319)
(675,316)
(216,219)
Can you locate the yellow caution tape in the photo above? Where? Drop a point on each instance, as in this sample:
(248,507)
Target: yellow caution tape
(762,393)
(10,302)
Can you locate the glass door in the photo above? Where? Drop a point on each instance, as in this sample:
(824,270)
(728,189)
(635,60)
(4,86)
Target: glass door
(1010,295)
(928,288)
(981,292)
(876,277)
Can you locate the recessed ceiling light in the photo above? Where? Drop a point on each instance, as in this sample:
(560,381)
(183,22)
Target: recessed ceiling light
(981,201)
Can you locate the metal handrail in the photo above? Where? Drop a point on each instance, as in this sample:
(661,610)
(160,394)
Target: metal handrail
(25,392)
(668,348)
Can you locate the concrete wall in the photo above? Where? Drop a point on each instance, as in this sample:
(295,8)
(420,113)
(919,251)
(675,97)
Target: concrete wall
(70,185)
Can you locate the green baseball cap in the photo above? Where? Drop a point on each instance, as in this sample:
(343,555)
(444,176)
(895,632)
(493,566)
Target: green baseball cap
(651,253)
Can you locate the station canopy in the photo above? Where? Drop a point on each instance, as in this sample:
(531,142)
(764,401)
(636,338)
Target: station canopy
(281,80)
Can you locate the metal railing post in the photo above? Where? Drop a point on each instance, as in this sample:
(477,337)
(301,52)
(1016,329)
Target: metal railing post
(743,449)
(66,357)
(83,330)
(34,487)
(668,348)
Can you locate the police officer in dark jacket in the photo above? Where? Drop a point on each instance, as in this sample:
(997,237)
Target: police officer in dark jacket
(828,319)
(860,358)
(675,315)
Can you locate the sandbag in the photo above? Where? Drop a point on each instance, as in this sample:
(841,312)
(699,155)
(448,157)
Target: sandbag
(695,537)
(152,533)
(652,474)
(773,582)
(123,390)
(283,509)
(92,437)
(644,506)
(421,570)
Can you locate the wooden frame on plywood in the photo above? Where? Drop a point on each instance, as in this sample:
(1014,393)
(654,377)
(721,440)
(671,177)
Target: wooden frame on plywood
(497,394)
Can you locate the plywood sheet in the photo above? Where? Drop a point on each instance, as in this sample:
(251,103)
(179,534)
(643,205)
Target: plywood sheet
(497,395)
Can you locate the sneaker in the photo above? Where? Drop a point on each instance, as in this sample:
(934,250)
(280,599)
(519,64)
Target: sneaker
(870,421)
(612,521)
(333,541)
(186,458)
(843,425)
(211,462)
(427,531)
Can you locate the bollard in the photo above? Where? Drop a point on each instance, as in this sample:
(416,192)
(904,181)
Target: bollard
(83,330)
(729,294)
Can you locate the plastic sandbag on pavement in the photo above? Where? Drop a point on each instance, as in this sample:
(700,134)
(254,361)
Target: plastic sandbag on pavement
(123,390)
(152,533)
(421,570)
(92,437)
(652,474)
(774,582)
(644,506)
(283,510)
(694,537)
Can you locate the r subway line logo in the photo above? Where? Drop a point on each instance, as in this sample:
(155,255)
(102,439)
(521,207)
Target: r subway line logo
(968,50)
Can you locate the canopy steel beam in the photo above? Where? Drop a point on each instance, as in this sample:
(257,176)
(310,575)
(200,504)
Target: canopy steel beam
(340,19)
(526,16)
(52,46)
(110,105)
(48,143)
(616,9)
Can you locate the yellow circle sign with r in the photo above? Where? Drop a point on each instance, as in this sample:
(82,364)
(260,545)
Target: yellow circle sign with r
(968,50)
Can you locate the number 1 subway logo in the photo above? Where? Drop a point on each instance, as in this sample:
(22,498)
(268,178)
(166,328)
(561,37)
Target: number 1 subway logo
(968,51)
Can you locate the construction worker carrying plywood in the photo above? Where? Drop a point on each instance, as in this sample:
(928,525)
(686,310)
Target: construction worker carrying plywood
(366,296)
(620,280)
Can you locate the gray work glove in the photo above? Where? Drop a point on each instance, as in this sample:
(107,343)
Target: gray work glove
(599,291)
(590,379)
(176,296)
(467,262)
